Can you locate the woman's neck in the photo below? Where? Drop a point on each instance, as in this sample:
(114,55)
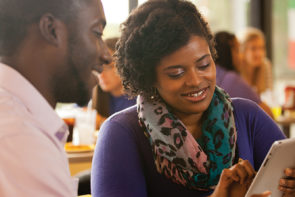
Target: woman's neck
(117,92)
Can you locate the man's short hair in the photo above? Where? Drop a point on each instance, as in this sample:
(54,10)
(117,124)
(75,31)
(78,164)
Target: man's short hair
(16,15)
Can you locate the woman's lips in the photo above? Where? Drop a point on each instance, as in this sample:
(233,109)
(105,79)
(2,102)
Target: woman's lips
(196,96)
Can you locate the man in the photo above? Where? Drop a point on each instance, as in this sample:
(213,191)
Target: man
(48,49)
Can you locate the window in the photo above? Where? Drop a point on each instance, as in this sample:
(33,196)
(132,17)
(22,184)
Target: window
(116,12)
(283,39)
(229,15)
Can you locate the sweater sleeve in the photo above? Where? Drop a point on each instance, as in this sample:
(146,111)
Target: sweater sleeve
(256,130)
(116,166)
(266,132)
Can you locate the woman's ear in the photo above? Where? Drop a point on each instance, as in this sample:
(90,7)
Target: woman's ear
(52,29)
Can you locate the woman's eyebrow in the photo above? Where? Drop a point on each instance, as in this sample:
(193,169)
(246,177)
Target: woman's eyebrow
(173,67)
(203,57)
(179,66)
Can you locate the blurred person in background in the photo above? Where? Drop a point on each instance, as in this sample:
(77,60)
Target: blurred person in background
(185,136)
(48,51)
(227,64)
(109,96)
(255,68)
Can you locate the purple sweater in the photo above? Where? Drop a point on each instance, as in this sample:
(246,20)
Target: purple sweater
(123,163)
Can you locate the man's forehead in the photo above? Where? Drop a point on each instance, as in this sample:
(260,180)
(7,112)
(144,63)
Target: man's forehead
(92,10)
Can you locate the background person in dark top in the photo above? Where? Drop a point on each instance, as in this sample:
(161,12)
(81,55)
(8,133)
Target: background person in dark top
(227,76)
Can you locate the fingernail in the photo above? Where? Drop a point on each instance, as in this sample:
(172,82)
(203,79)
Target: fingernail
(288,171)
(280,188)
(282,182)
(268,193)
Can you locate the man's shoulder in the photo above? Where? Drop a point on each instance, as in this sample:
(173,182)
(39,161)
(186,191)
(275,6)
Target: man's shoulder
(13,114)
(27,155)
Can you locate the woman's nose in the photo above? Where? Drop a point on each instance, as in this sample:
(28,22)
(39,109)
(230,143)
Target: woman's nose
(193,78)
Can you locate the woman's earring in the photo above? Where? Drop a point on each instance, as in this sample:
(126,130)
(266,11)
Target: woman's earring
(154,94)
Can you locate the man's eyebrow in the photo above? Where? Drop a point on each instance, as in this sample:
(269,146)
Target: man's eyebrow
(100,22)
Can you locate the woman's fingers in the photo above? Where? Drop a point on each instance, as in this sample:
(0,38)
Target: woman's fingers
(225,181)
(232,179)
(225,178)
(290,172)
(287,184)
(248,167)
(242,172)
(251,172)
(264,194)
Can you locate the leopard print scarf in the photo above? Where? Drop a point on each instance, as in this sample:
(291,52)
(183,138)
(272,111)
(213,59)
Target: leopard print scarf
(196,164)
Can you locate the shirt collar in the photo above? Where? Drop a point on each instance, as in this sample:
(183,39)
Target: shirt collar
(13,82)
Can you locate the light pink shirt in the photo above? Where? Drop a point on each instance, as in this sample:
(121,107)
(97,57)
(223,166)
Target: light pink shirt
(32,157)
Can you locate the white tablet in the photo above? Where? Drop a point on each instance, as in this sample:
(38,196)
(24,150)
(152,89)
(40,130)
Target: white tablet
(280,156)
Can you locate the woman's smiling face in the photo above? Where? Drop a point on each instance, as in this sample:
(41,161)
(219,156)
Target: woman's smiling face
(186,78)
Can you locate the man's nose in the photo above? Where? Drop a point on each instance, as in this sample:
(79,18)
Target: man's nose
(106,57)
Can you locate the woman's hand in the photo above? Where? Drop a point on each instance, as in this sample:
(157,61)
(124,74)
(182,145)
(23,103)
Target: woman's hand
(287,184)
(235,180)
(264,194)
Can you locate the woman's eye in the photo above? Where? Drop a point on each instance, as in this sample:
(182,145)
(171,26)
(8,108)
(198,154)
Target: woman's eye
(175,74)
(203,67)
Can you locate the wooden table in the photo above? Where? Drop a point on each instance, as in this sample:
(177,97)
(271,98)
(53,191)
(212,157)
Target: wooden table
(285,123)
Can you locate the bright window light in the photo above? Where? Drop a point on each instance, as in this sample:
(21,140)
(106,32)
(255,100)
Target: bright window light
(115,11)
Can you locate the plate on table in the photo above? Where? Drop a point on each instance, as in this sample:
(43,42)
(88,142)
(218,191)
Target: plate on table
(71,148)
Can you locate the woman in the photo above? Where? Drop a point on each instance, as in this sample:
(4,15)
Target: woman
(227,64)
(182,136)
(109,96)
(255,68)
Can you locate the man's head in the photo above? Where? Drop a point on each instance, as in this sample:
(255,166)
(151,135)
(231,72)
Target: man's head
(16,15)
(55,44)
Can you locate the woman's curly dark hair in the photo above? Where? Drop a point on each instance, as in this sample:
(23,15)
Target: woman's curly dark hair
(152,31)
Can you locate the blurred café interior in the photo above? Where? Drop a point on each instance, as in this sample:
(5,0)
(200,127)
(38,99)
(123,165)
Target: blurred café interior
(275,18)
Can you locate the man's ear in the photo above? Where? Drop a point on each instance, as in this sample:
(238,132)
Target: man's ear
(51,29)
